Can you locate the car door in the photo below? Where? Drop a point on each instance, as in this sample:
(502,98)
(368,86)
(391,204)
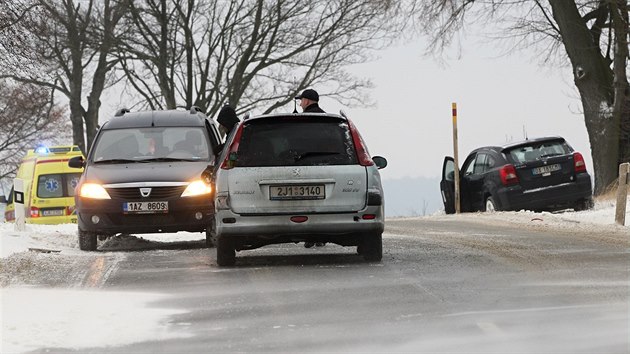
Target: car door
(474,180)
(447,184)
(467,181)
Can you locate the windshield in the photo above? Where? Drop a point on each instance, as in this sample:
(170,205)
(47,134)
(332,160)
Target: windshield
(294,142)
(154,144)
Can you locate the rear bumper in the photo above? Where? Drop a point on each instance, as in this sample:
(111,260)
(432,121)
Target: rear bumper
(52,220)
(280,228)
(112,220)
(554,197)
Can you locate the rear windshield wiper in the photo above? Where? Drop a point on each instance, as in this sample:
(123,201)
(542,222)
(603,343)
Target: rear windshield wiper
(170,159)
(115,161)
(550,154)
(314,153)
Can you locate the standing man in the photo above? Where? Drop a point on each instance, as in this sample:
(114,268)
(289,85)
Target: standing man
(309,101)
(227,119)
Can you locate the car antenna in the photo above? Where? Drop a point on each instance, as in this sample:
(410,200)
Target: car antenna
(525,132)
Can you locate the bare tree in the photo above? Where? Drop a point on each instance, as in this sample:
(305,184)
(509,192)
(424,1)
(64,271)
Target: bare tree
(594,35)
(28,118)
(66,47)
(250,53)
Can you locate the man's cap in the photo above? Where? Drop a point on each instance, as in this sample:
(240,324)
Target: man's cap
(309,94)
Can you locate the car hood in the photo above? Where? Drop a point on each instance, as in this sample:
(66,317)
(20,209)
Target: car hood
(145,172)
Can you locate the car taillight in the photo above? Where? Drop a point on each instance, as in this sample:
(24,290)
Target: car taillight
(359,145)
(34,212)
(227,162)
(578,162)
(508,175)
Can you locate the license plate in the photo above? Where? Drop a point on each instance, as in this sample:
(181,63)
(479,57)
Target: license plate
(546,170)
(54,212)
(145,207)
(297,192)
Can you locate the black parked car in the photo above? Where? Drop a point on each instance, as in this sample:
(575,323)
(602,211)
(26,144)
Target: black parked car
(143,174)
(537,174)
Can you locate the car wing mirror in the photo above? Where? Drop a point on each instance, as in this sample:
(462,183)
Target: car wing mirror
(208,174)
(76,162)
(380,162)
(3,199)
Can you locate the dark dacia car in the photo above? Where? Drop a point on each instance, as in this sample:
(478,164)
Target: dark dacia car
(537,174)
(143,174)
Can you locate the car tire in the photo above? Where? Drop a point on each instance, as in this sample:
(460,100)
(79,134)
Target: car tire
(87,241)
(372,247)
(584,204)
(209,242)
(491,205)
(226,255)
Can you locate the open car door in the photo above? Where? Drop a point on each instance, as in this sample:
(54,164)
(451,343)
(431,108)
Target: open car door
(447,185)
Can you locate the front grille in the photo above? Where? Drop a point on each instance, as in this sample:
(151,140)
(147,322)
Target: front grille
(156,193)
(144,219)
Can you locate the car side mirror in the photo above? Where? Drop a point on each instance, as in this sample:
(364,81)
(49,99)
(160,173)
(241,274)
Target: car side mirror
(76,162)
(380,162)
(3,199)
(208,174)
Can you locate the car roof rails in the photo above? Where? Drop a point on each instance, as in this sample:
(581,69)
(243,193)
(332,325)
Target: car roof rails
(121,112)
(195,110)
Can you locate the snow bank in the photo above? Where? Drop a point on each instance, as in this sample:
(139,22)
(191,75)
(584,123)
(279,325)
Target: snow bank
(63,238)
(80,319)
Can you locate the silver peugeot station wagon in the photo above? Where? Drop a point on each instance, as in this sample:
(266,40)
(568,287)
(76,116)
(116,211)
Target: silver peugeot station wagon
(290,178)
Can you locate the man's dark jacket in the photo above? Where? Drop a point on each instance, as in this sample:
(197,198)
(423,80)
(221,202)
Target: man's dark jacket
(313,108)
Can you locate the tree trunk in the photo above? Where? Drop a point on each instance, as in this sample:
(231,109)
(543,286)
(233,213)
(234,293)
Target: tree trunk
(594,80)
(619,15)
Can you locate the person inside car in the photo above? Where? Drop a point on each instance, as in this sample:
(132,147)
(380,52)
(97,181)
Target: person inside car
(309,101)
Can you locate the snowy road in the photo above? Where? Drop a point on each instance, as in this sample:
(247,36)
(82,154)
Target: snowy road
(464,284)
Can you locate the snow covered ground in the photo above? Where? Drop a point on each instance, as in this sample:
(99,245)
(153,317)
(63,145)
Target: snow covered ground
(36,317)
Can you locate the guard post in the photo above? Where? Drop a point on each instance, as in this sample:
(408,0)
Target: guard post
(455,158)
(18,203)
(622,193)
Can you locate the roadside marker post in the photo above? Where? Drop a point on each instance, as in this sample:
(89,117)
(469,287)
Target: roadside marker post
(18,202)
(622,193)
(455,158)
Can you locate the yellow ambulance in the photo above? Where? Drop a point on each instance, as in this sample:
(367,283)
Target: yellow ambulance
(48,186)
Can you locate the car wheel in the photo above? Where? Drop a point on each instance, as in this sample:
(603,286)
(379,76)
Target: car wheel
(584,204)
(372,247)
(87,241)
(491,206)
(209,242)
(226,255)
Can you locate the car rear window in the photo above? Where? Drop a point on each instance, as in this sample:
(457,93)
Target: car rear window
(296,141)
(57,185)
(535,151)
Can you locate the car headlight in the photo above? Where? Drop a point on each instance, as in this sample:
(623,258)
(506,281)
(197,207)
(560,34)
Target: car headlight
(93,191)
(197,188)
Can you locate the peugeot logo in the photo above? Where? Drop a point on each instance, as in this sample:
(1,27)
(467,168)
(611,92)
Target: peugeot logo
(296,172)
(145,192)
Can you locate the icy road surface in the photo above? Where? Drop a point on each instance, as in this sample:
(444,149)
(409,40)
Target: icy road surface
(491,283)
